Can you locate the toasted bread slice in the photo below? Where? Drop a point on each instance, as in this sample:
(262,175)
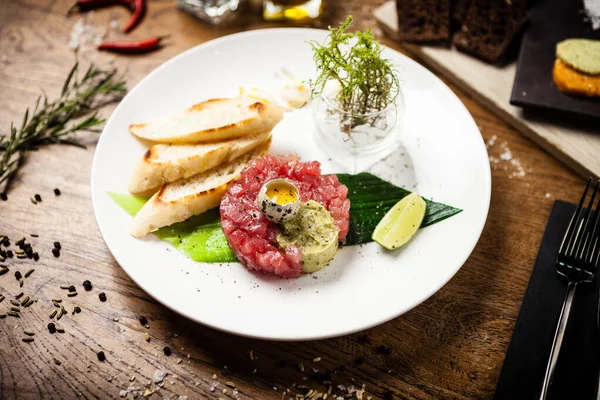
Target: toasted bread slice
(179,200)
(164,163)
(573,82)
(216,119)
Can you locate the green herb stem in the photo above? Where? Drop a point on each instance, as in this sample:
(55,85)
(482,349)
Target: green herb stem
(54,122)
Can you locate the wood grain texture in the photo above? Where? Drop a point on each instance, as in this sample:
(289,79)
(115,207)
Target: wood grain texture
(451,346)
(576,143)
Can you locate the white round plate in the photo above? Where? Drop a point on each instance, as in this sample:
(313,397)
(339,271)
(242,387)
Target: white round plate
(443,157)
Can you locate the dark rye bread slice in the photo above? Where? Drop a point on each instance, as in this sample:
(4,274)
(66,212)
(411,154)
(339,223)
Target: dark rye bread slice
(459,11)
(490,26)
(424,20)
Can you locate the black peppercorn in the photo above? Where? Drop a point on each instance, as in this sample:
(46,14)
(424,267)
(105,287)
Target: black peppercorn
(102,296)
(9,253)
(37,197)
(167,351)
(52,327)
(57,191)
(3,196)
(6,242)
(87,285)
(18,275)
(36,256)
(383,349)
(72,288)
(77,309)
(143,320)
(101,356)
(56,252)
(57,245)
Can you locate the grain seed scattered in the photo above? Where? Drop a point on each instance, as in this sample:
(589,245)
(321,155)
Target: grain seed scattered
(3,270)
(60,330)
(301,367)
(64,286)
(53,314)
(316,359)
(13,314)
(15,309)
(24,300)
(27,339)
(15,303)
(18,296)
(2,316)
(72,294)
(30,302)
(28,333)
(31,271)
(146,337)
(230,384)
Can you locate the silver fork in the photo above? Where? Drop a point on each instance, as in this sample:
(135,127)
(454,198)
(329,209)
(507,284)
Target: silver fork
(577,262)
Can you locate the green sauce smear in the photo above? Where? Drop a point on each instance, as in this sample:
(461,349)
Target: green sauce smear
(199,238)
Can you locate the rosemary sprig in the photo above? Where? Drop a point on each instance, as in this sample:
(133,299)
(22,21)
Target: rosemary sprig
(55,122)
(368,83)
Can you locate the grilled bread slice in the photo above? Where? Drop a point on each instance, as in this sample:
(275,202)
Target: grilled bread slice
(179,200)
(216,119)
(164,163)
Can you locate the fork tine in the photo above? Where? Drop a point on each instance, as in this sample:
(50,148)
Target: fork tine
(585,239)
(570,235)
(594,248)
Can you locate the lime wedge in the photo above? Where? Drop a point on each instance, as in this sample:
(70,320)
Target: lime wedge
(400,224)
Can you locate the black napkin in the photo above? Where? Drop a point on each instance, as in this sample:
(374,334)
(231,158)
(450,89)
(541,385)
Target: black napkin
(525,364)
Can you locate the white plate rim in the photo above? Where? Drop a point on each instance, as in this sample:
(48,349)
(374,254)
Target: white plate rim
(475,239)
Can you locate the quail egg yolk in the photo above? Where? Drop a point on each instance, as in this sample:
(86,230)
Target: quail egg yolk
(282,193)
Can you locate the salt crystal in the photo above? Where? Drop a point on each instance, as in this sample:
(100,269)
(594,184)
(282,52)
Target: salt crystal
(342,388)
(159,375)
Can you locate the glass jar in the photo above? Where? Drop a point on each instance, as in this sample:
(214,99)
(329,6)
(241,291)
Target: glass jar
(358,140)
(215,12)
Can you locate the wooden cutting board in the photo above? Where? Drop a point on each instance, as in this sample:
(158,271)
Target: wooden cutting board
(576,143)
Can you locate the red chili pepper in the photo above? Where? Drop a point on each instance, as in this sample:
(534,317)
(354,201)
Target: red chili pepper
(137,47)
(84,5)
(139,7)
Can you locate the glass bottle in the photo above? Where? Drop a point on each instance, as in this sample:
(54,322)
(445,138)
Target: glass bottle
(291,10)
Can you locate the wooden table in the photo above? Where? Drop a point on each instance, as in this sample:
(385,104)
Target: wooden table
(451,346)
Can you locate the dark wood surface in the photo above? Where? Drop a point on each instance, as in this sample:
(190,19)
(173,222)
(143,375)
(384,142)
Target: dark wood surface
(451,346)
